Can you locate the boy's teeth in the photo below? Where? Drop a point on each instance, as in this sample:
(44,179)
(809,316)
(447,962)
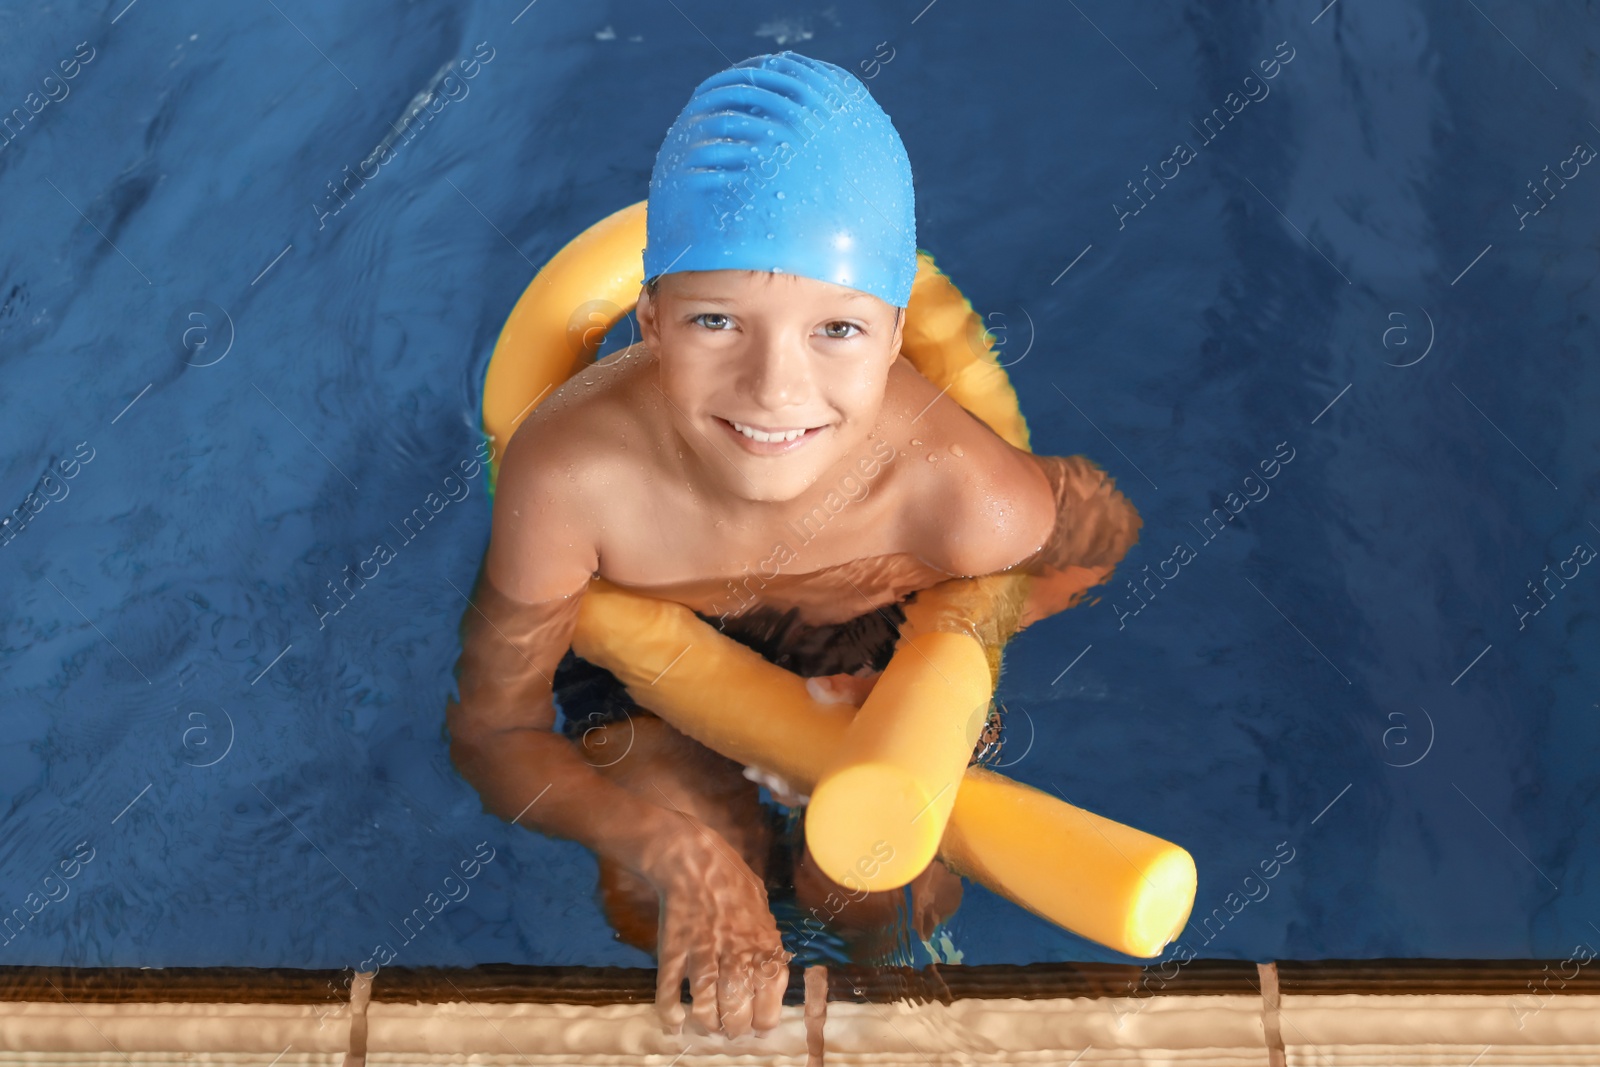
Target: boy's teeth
(760,435)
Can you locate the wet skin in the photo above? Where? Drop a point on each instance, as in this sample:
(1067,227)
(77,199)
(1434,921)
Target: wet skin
(631,471)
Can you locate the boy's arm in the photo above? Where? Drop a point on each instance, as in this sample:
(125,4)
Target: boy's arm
(1066,506)
(1095,526)
(514,633)
(716,928)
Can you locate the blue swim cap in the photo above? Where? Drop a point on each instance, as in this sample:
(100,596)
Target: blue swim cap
(784,163)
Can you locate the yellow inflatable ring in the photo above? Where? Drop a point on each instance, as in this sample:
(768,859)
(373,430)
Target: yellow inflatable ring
(889,783)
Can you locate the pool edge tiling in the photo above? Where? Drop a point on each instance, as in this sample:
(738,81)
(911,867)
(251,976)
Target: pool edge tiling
(1215,1013)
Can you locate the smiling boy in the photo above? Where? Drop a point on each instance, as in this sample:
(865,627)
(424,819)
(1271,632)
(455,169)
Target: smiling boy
(768,381)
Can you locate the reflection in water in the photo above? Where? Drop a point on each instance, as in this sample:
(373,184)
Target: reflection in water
(675,824)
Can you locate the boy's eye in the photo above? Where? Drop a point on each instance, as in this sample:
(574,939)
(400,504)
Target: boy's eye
(712,320)
(838,330)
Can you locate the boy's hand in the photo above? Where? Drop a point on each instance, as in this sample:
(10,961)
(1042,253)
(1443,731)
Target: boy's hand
(850,689)
(717,929)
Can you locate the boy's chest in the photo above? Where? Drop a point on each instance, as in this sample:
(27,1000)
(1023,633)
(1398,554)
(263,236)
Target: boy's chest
(835,558)
(661,533)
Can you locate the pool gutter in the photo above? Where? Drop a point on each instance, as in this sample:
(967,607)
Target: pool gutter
(1209,1012)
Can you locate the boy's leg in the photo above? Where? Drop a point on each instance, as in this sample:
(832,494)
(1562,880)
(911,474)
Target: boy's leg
(869,922)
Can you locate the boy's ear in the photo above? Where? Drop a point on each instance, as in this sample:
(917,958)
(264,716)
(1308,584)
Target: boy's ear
(645,313)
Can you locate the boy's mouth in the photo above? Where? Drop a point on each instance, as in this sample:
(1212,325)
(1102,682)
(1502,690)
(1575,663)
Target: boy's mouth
(763,441)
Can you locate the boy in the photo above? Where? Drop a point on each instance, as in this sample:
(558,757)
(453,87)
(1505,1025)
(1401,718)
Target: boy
(780,254)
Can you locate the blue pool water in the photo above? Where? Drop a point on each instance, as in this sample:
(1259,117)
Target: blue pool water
(237,385)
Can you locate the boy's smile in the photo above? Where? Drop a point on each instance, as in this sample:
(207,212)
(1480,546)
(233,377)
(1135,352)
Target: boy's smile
(771,379)
(766,441)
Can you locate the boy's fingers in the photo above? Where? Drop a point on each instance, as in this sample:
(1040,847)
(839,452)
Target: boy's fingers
(669,997)
(773,963)
(703,991)
(669,979)
(736,993)
(769,998)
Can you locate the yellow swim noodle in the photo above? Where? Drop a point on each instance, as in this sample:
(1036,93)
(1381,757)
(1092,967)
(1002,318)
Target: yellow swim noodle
(558,323)
(889,783)
(901,762)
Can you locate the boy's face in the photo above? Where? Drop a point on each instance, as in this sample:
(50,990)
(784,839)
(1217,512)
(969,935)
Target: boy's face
(773,353)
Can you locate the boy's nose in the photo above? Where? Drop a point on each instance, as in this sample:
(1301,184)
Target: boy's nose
(778,377)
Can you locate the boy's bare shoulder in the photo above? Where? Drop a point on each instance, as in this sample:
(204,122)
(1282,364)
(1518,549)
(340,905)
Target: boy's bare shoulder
(984,504)
(585,425)
(556,476)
